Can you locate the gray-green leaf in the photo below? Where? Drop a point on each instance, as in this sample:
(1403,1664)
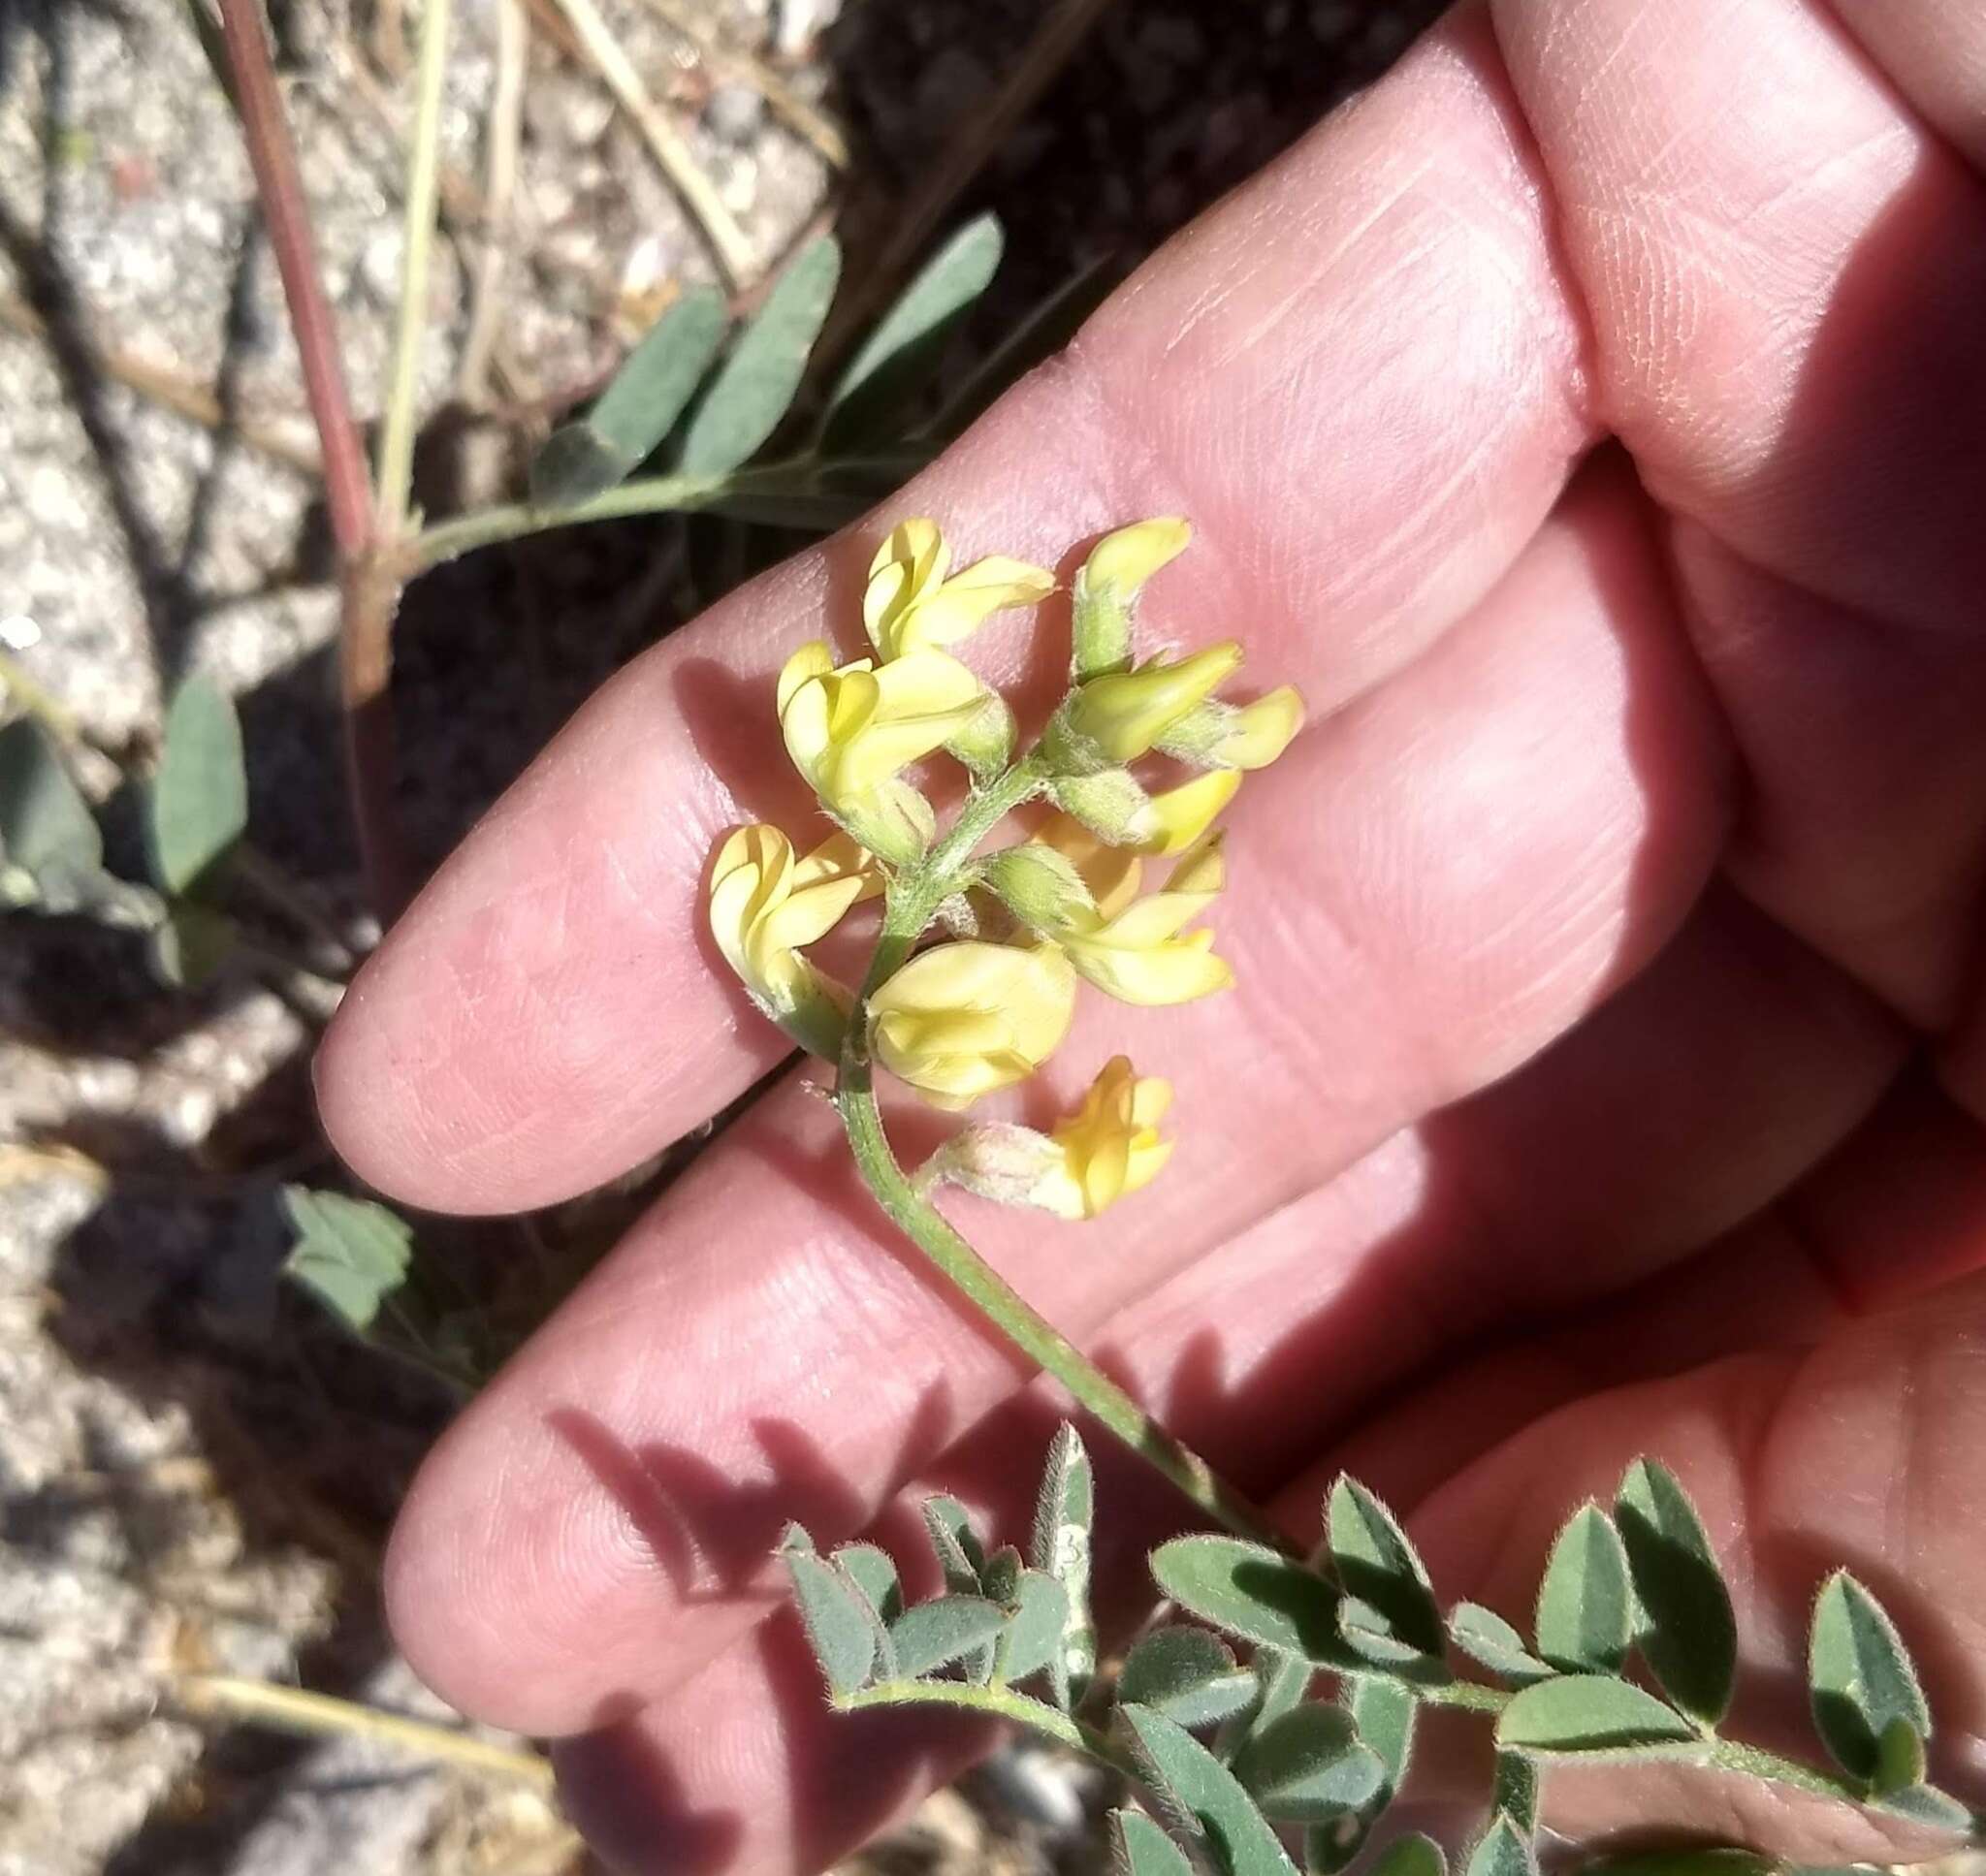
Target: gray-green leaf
(1687,1633)
(959,1555)
(1513,1788)
(1138,1847)
(199,800)
(1411,1856)
(1586,1609)
(838,1623)
(650,390)
(873,1571)
(908,342)
(935,1635)
(1189,1676)
(48,838)
(753,388)
(190,942)
(1502,1850)
(1038,1610)
(1060,1548)
(1590,1713)
(1252,1591)
(1384,1711)
(1378,1564)
(349,1253)
(1309,1765)
(1202,1796)
(1485,1638)
(1861,1677)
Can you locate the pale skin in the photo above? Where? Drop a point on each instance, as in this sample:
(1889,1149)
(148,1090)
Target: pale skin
(1607,1072)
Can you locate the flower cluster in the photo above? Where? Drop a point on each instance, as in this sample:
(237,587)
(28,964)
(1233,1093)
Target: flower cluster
(985,1009)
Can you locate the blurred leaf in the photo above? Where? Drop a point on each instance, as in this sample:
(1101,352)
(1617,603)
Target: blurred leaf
(1038,1610)
(1281,1682)
(1861,1677)
(935,1635)
(1187,1675)
(198,805)
(1926,1804)
(1138,1847)
(837,1620)
(1060,1547)
(1202,1796)
(349,1253)
(1589,1713)
(47,834)
(1899,1758)
(637,409)
(1687,1633)
(189,944)
(1585,1610)
(1038,336)
(873,1571)
(1686,1863)
(1485,1637)
(1252,1591)
(1513,1788)
(1309,1765)
(1378,1566)
(908,342)
(1502,1850)
(1411,1856)
(959,1557)
(1384,1711)
(753,389)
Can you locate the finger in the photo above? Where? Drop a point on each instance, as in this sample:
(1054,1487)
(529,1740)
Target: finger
(547,1014)
(1785,321)
(1935,52)
(1553,738)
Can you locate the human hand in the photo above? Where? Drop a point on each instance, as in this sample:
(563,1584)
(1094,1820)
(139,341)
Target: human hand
(1607,1071)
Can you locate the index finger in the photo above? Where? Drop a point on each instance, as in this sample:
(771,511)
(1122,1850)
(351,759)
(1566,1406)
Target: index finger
(1358,378)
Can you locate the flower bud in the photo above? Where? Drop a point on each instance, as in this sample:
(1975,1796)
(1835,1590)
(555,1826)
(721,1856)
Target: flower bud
(1106,590)
(1218,735)
(1039,885)
(1125,713)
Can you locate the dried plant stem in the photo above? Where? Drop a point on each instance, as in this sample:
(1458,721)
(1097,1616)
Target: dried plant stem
(500,183)
(743,68)
(725,238)
(290,1709)
(396,438)
(172,391)
(915,897)
(37,701)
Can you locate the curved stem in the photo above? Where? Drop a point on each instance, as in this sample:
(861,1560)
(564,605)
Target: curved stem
(914,899)
(996,1702)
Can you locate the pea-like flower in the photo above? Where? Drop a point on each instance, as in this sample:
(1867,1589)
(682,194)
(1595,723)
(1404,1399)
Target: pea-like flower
(1109,1147)
(1125,713)
(1249,736)
(911,604)
(851,730)
(1139,949)
(766,903)
(962,1020)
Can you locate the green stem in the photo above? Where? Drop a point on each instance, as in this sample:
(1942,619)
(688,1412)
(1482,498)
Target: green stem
(996,1702)
(915,897)
(424,181)
(1755,1762)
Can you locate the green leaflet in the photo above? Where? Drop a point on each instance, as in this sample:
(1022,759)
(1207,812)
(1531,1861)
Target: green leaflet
(1687,1633)
(1254,1592)
(1060,1548)
(650,390)
(1861,1679)
(908,342)
(1590,1713)
(1138,1847)
(753,389)
(1585,1608)
(1502,1850)
(1038,1612)
(1485,1638)
(1309,1765)
(1379,1567)
(1384,1710)
(350,1253)
(838,1623)
(198,804)
(1411,1856)
(935,1635)
(190,943)
(1188,1675)
(873,1571)
(1202,1796)
(959,1557)
(1513,1788)
(50,842)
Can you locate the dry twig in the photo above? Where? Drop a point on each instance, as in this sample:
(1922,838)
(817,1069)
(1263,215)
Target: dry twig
(499,184)
(740,67)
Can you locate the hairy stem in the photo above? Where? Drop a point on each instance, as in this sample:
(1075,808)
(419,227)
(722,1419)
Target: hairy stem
(915,897)
(397,436)
(996,1702)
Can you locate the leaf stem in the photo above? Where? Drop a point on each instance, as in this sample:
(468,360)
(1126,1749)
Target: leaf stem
(1755,1762)
(996,1702)
(423,167)
(915,896)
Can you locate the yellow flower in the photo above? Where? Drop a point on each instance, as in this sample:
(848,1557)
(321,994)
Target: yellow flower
(1110,1146)
(1135,949)
(1125,713)
(1251,737)
(765,904)
(961,1020)
(1129,558)
(850,730)
(910,605)
(1172,822)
